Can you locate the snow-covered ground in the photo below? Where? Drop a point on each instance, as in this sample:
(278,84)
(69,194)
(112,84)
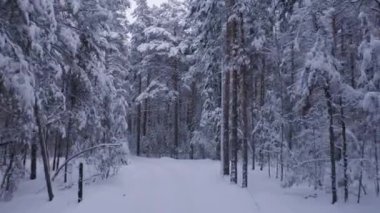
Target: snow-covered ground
(179,186)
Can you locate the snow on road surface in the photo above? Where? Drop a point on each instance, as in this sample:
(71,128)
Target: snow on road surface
(180,186)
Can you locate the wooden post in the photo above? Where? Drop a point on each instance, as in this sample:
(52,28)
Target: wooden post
(80,183)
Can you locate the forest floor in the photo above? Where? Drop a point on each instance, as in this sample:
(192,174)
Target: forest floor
(180,186)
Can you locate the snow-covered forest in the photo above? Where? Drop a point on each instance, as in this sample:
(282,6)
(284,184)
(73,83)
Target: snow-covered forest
(270,89)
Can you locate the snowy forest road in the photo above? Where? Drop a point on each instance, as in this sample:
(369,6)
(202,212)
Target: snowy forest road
(180,186)
(170,186)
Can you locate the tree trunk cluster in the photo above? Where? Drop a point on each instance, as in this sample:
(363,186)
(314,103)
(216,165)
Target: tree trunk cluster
(235,103)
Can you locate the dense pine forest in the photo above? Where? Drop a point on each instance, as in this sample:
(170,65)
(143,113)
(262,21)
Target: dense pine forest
(289,88)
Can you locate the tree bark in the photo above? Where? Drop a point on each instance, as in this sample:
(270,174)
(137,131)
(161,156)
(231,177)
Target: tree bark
(253,158)
(70,100)
(234,126)
(146,110)
(55,151)
(377,163)
(269,164)
(262,103)
(59,152)
(282,154)
(261,155)
(176,108)
(244,128)
(291,115)
(138,121)
(245,137)
(225,124)
(277,165)
(4,159)
(8,172)
(46,141)
(232,53)
(282,127)
(332,145)
(253,142)
(26,147)
(244,109)
(68,143)
(80,183)
(344,151)
(42,138)
(33,160)
(361,172)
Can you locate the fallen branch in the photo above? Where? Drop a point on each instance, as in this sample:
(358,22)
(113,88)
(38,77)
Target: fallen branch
(80,153)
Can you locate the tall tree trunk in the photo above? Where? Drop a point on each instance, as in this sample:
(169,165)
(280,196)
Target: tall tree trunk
(191,107)
(67,150)
(46,141)
(269,164)
(277,165)
(332,138)
(361,171)
(70,100)
(130,123)
(244,116)
(345,158)
(244,106)
(291,115)
(33,160)
(26,147)
(262,103)
(254,104)
(5,155)
(315,155)
(59,152)
(282,154)
(5,183)
(232,51)
(225,124)
(282,128)
(332,144)
(138,121)
(253,158)
(146,109)
(55,151)
(261,155)
(176,127)
(176,108)
(377,163)
(42,137)
(190,116)
(80,183)
(334,32)
(234,126)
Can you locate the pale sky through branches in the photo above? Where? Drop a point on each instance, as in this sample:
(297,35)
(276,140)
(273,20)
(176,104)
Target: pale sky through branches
(150,3)
(155,2)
